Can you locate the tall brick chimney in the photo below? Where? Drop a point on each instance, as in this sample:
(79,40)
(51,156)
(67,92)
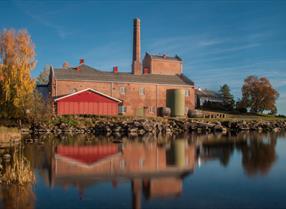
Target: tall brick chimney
(136,60)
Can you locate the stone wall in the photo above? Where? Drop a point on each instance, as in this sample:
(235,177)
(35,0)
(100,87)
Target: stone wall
(129,126)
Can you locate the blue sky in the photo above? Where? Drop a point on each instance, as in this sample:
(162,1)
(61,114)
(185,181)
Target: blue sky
(219,41)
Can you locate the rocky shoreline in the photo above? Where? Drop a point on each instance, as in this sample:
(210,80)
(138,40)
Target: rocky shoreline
(133,127)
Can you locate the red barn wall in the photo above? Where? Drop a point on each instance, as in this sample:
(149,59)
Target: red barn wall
(87,102)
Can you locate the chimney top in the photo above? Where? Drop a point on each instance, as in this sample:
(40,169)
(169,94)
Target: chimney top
(146,70)
(81,61)
(115,69)
(66,65)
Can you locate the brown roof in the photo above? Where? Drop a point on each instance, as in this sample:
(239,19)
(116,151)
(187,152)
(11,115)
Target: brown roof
(90,74)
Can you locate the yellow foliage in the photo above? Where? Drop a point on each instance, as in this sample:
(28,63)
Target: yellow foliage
(17,58)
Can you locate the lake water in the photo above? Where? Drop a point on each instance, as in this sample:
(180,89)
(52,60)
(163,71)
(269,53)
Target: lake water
(242,171)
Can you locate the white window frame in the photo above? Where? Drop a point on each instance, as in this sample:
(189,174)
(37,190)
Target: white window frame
(151,109)
(187,92)
(186,110)
(73,90)
(141,163)
(141,91)
(122,164)
(122,90)
(122,109)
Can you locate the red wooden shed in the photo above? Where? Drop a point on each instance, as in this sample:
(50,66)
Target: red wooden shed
(87,102)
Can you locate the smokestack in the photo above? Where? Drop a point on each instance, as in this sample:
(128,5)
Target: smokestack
(136,61)
(81,61)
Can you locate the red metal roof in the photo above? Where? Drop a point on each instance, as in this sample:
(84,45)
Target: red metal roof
(87,154)
(85,96)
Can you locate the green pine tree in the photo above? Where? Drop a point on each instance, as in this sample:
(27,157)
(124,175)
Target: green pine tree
(228,100)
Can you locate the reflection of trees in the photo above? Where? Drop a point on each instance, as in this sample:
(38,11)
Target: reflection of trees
(258,150)
(18,169)
(17,180)
(221,151)
(14,197)
(226,153)
(258,155)
(39,156)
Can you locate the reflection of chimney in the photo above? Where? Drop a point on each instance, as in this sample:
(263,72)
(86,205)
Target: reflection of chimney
(81,192)
(136,63)
(52,168)
(136,193)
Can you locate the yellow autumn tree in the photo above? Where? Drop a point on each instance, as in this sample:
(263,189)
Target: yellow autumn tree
(17,59)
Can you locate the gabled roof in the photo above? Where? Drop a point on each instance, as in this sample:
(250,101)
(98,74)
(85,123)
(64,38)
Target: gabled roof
(87,73)
(88,89)
(208,93)
(87,156)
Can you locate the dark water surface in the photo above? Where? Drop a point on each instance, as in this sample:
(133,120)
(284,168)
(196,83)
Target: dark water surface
(243,171)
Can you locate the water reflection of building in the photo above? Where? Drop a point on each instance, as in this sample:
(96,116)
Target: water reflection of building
(155,171)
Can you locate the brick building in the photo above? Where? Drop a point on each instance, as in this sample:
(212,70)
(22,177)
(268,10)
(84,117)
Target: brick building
(162,65)
(154,171)
(142,91)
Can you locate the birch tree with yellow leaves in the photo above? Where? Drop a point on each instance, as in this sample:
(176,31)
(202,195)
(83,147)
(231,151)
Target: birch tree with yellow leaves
(17,60)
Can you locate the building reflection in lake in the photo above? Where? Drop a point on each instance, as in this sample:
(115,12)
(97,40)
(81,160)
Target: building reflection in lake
(155,171)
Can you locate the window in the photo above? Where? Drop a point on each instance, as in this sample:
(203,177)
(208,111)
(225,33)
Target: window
(186,110)
(141,91)
(73,90)
(187,93)
(122,109)
(152,109)
(122,90)
(122,164)
(141,163)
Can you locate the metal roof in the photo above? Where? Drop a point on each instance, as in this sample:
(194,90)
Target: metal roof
(88,89)
(86,73)
(208,93)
